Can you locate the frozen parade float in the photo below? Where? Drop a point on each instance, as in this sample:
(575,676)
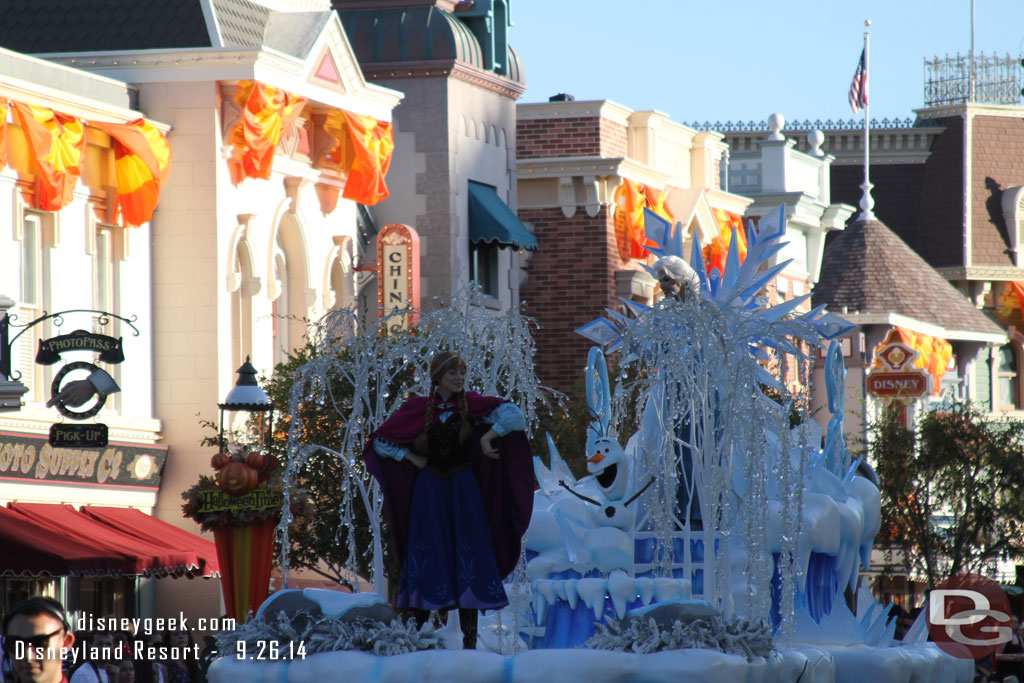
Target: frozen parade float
(720,540)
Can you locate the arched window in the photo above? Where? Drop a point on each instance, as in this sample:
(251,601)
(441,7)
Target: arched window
(38,233)
(1007,378)
(241,307)
(342,284)
(291,307)
(281,309)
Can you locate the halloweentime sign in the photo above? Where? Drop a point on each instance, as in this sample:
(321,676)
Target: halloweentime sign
(28,457)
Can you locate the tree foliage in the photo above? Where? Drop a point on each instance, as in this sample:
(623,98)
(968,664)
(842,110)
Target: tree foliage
(951,495)
(330,395)
(319,544)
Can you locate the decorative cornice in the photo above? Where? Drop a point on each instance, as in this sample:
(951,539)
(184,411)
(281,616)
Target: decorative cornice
(973,109)
(720,199)
(126,61)
(556,167)
(888,145)
(994,273)
(899,320)
(593,166)
(229,65)
(446,5)
(488,80)
(607,109)
(37,421)
(445,68)
(68,103)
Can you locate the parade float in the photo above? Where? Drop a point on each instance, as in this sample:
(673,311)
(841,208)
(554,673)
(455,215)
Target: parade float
(718,535)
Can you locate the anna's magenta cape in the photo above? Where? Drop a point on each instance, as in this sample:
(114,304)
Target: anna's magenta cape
(506,484)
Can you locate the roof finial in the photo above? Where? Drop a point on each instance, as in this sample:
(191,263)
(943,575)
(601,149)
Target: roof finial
(776,122)
(867,202)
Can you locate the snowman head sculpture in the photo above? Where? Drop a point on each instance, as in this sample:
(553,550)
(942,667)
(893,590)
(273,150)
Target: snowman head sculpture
(609,466)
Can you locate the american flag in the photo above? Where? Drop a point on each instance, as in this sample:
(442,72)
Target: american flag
(859,86)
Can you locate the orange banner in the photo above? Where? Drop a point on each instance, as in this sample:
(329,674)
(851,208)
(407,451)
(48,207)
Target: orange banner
(934,355)
(142,162)
(57,143)
(266,113)
(1018,289)
(716,253)
(631,198)
(374,143)
(3,135)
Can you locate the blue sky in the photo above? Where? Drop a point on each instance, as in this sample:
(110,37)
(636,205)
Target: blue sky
(733,60)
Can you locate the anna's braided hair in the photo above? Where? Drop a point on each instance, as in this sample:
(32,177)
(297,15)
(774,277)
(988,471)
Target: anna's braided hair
(441,363)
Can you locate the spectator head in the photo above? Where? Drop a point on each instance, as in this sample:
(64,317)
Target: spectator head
(101,646)
(126,671)
(35,634)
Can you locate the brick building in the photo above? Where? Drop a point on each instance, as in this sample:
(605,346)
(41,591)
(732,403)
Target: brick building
(455,137)
(576,162)
(950,184)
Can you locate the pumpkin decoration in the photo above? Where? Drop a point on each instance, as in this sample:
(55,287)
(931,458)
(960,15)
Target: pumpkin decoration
(237,478)
(218,461)
(256,460)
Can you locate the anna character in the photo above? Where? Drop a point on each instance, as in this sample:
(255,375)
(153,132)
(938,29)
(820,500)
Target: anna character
(457,476)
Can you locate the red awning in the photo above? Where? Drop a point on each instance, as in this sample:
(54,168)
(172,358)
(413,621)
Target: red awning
(143,557)
(30,548)
(153,530)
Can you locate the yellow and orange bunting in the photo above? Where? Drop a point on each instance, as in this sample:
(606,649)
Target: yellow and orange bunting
(933,357)
(716,253)
(56,142)
(1014,300)
(48,148)
(267,112)
(3,135)
(142,161)
(362,152)
(374,143)
(631,198)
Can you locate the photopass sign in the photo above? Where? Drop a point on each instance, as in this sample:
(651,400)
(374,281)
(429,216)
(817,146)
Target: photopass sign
(969,616)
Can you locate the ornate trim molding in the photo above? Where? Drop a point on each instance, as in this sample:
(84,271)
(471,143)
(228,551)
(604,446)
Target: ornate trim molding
(444,68)
(994,273)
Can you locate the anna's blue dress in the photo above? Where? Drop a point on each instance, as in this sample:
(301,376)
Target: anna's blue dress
(450,560)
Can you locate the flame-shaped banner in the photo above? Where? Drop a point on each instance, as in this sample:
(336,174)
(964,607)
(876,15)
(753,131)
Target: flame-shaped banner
(57,143)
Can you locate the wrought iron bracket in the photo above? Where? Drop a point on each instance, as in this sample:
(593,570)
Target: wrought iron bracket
(7,323)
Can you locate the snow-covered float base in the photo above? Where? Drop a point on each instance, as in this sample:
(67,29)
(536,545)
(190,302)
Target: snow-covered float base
(921,663)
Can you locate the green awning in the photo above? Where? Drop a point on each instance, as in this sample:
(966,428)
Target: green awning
(492,222)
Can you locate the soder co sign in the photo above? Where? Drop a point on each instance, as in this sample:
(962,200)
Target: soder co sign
(398,274)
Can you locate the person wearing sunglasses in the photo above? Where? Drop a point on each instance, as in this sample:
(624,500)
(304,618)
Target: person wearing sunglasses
(35,638)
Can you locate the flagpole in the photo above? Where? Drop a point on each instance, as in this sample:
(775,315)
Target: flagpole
(866,202)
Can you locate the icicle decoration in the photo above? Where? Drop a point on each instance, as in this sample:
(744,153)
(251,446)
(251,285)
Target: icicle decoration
(498,349)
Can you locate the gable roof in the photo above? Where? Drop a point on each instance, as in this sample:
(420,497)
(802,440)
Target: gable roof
(241,23)
(867,268)
(294,33)
(42,26)
(60,26)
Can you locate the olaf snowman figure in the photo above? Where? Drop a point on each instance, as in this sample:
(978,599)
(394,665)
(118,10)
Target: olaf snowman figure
(608,463)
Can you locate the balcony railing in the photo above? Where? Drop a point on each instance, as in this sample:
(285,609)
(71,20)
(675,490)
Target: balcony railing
(996,80)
